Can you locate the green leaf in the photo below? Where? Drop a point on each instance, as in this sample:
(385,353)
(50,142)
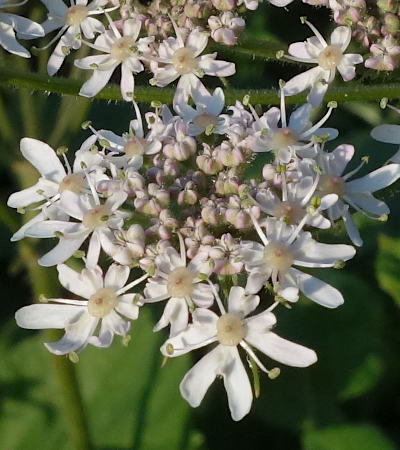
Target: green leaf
(349,437)
(126,393)
(388,266)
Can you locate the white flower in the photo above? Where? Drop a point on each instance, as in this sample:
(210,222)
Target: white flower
(125,50)
(356,193)
(328,58)
(72,21)
(286,246)
(290,139)
(231,330)
(105,302)
(207,116)
(181,284)
(25,29)
(54,181)
(133,145)
(94,218)
(182,60)
(295,203)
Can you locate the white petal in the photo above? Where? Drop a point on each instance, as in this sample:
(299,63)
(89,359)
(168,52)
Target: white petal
(369,203)
(116,277)
(176,313)
(43,158)
(198,334)
(127,83)
(376,180)
(96,82)
(72,281)
(351,229)
(47,316)
(93,252)
(132,28)
(202,295)
(340,157)
(126,307)
(62,251)
(48,228)
(237,386)
(341,37)
(9,42)
(196,382)
(389,134)
(241,304)
(317,290)
(282,350)
(301,82)
(216,68)
(76,336)
(256,280)
(197,41)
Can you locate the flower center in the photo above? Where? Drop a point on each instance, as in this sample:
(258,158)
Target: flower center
(290,211)
(330,57)
(204,120)
(73,183)
(76,15)
(122,48)
(96,217)
(331,184)
(180,282)
(278,256)
(102,302)
(284,137)
(184,61)
(134,146)
(230,329)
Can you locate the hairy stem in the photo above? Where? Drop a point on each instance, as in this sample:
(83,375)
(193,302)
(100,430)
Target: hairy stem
(347,93)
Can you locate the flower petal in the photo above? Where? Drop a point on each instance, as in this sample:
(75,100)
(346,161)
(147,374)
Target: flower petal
(47,316)
(43,158)
(282,350)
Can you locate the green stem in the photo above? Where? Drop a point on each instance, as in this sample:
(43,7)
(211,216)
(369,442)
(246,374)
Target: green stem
(347,93)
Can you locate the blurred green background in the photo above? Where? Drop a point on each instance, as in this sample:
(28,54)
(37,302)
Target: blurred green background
(349,400)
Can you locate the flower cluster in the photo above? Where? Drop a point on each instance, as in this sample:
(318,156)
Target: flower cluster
(170,204)
(179,210)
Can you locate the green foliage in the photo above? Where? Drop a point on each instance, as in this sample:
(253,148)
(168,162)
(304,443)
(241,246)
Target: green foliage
(349,437)
(388,266)
(130,401)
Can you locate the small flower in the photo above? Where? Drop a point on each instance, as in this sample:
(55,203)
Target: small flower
(181,283)
(125,50)
(286,246)
(72,22)
(105,302)
(93,218)
(207,116)
(355,193)
(290,139)
(232,330)
(51,186)
(328,58)
(181,59)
